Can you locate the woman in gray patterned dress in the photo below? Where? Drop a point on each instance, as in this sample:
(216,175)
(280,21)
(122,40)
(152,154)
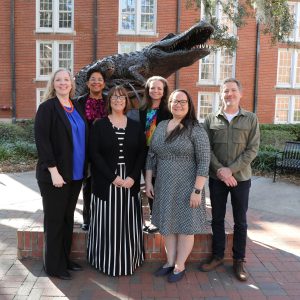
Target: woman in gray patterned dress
(179,156)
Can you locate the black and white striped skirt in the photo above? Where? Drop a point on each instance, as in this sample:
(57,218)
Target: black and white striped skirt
(115,238)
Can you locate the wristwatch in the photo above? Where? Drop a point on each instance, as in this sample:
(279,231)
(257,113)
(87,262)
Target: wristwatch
(197,191)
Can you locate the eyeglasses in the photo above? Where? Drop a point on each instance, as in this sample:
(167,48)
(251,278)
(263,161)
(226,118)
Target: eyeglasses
(115,98)
(181,102)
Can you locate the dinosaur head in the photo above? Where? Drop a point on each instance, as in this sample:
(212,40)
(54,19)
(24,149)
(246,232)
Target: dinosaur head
(181,50)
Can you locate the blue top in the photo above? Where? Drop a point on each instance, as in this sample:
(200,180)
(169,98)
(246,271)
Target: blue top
(78,134)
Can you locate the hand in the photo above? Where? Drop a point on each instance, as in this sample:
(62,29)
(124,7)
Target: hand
(149,190)
(57,179)
(230,181)
(128,183)
(118,182)
(195,200)
(224,173)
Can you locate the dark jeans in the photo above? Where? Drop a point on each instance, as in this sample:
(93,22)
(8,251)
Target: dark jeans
(86,192)
(59,206)
(239,201)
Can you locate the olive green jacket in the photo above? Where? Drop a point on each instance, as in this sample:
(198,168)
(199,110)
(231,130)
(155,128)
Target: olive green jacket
(233,145)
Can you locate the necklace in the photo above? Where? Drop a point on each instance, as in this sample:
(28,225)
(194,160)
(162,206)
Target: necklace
(68,109)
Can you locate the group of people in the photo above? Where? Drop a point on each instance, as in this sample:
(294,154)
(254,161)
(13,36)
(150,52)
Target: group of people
(92,143)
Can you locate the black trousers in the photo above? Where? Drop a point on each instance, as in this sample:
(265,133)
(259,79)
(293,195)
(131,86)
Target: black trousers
(86,192)
(239,200)
(59,206)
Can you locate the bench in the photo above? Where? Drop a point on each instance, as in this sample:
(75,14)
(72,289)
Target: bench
(288,159)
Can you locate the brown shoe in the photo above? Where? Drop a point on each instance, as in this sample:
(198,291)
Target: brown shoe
(212,264)
(239,270)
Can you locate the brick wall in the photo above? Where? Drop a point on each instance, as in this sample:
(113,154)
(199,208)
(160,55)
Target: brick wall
(108,38)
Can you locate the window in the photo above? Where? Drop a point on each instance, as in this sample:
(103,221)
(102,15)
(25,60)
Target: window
(51,56)
(287,109)
(216,66)
(222,18)
(137,17)
(295,10)
(207,103)
(39,96)
(288,68)
(126,47)
(54,15)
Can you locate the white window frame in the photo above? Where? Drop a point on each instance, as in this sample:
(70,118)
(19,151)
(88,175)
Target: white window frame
(138,46)
(215,103)
(293,67)
(55,19)
(138,30)
(216,70)
(38,96)
(295,34)
(55,57)
(291,109)
(219,12)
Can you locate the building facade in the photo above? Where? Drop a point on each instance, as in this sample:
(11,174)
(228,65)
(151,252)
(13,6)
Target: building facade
(40,36)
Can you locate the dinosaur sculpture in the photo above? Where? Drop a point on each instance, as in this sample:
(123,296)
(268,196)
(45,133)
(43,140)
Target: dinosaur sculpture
(162,58)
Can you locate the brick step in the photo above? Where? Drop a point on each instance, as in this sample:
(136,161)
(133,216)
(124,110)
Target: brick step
(31,240)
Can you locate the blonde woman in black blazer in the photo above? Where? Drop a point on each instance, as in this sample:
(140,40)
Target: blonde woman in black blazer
(61,139)
(115,240)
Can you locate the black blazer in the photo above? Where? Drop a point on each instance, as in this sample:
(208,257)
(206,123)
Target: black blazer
(104,155)
(54,141)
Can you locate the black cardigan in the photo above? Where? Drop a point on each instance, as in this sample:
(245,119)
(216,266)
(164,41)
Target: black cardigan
(54,141)
(104,155)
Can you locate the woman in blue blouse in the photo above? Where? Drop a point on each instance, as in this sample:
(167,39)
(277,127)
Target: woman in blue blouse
(61,139)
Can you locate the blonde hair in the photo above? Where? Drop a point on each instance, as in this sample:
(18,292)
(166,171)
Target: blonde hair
(50,91)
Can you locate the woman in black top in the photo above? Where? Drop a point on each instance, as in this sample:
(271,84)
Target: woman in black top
(115,239)
(61,139)
(93,105)
(154,110)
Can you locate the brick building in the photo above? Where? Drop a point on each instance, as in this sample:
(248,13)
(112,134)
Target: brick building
(39,36)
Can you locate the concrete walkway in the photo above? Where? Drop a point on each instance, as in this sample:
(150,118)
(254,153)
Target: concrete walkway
(273,254)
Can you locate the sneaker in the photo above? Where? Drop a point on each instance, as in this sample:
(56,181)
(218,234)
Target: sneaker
(212,264)
(239,270)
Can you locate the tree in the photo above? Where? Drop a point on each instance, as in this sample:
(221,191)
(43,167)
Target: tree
(273,16)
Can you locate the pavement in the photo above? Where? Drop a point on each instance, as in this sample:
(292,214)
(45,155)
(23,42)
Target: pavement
(273,254)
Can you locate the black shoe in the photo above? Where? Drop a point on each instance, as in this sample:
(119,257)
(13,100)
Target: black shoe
(73,266)
(64,276)
(152,229)
(174,277)
(162,271)
(85,227)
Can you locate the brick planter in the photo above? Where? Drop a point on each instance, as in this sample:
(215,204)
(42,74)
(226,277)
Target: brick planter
(30,245)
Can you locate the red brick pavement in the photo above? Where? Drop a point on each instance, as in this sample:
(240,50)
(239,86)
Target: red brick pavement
(273,261)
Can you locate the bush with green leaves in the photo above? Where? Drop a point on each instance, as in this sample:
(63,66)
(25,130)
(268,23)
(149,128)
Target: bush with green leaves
(272,141)
(17,142)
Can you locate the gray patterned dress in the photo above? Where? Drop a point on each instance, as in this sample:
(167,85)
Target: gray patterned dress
(176,165)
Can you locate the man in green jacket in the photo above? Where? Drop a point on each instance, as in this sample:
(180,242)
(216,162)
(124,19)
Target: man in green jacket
(234,139)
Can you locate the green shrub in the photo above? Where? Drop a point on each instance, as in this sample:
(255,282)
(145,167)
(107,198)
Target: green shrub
(24,150)
(272,140)
(276,138)
(17,142)
(10,132)
(264,161)
(4,153)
